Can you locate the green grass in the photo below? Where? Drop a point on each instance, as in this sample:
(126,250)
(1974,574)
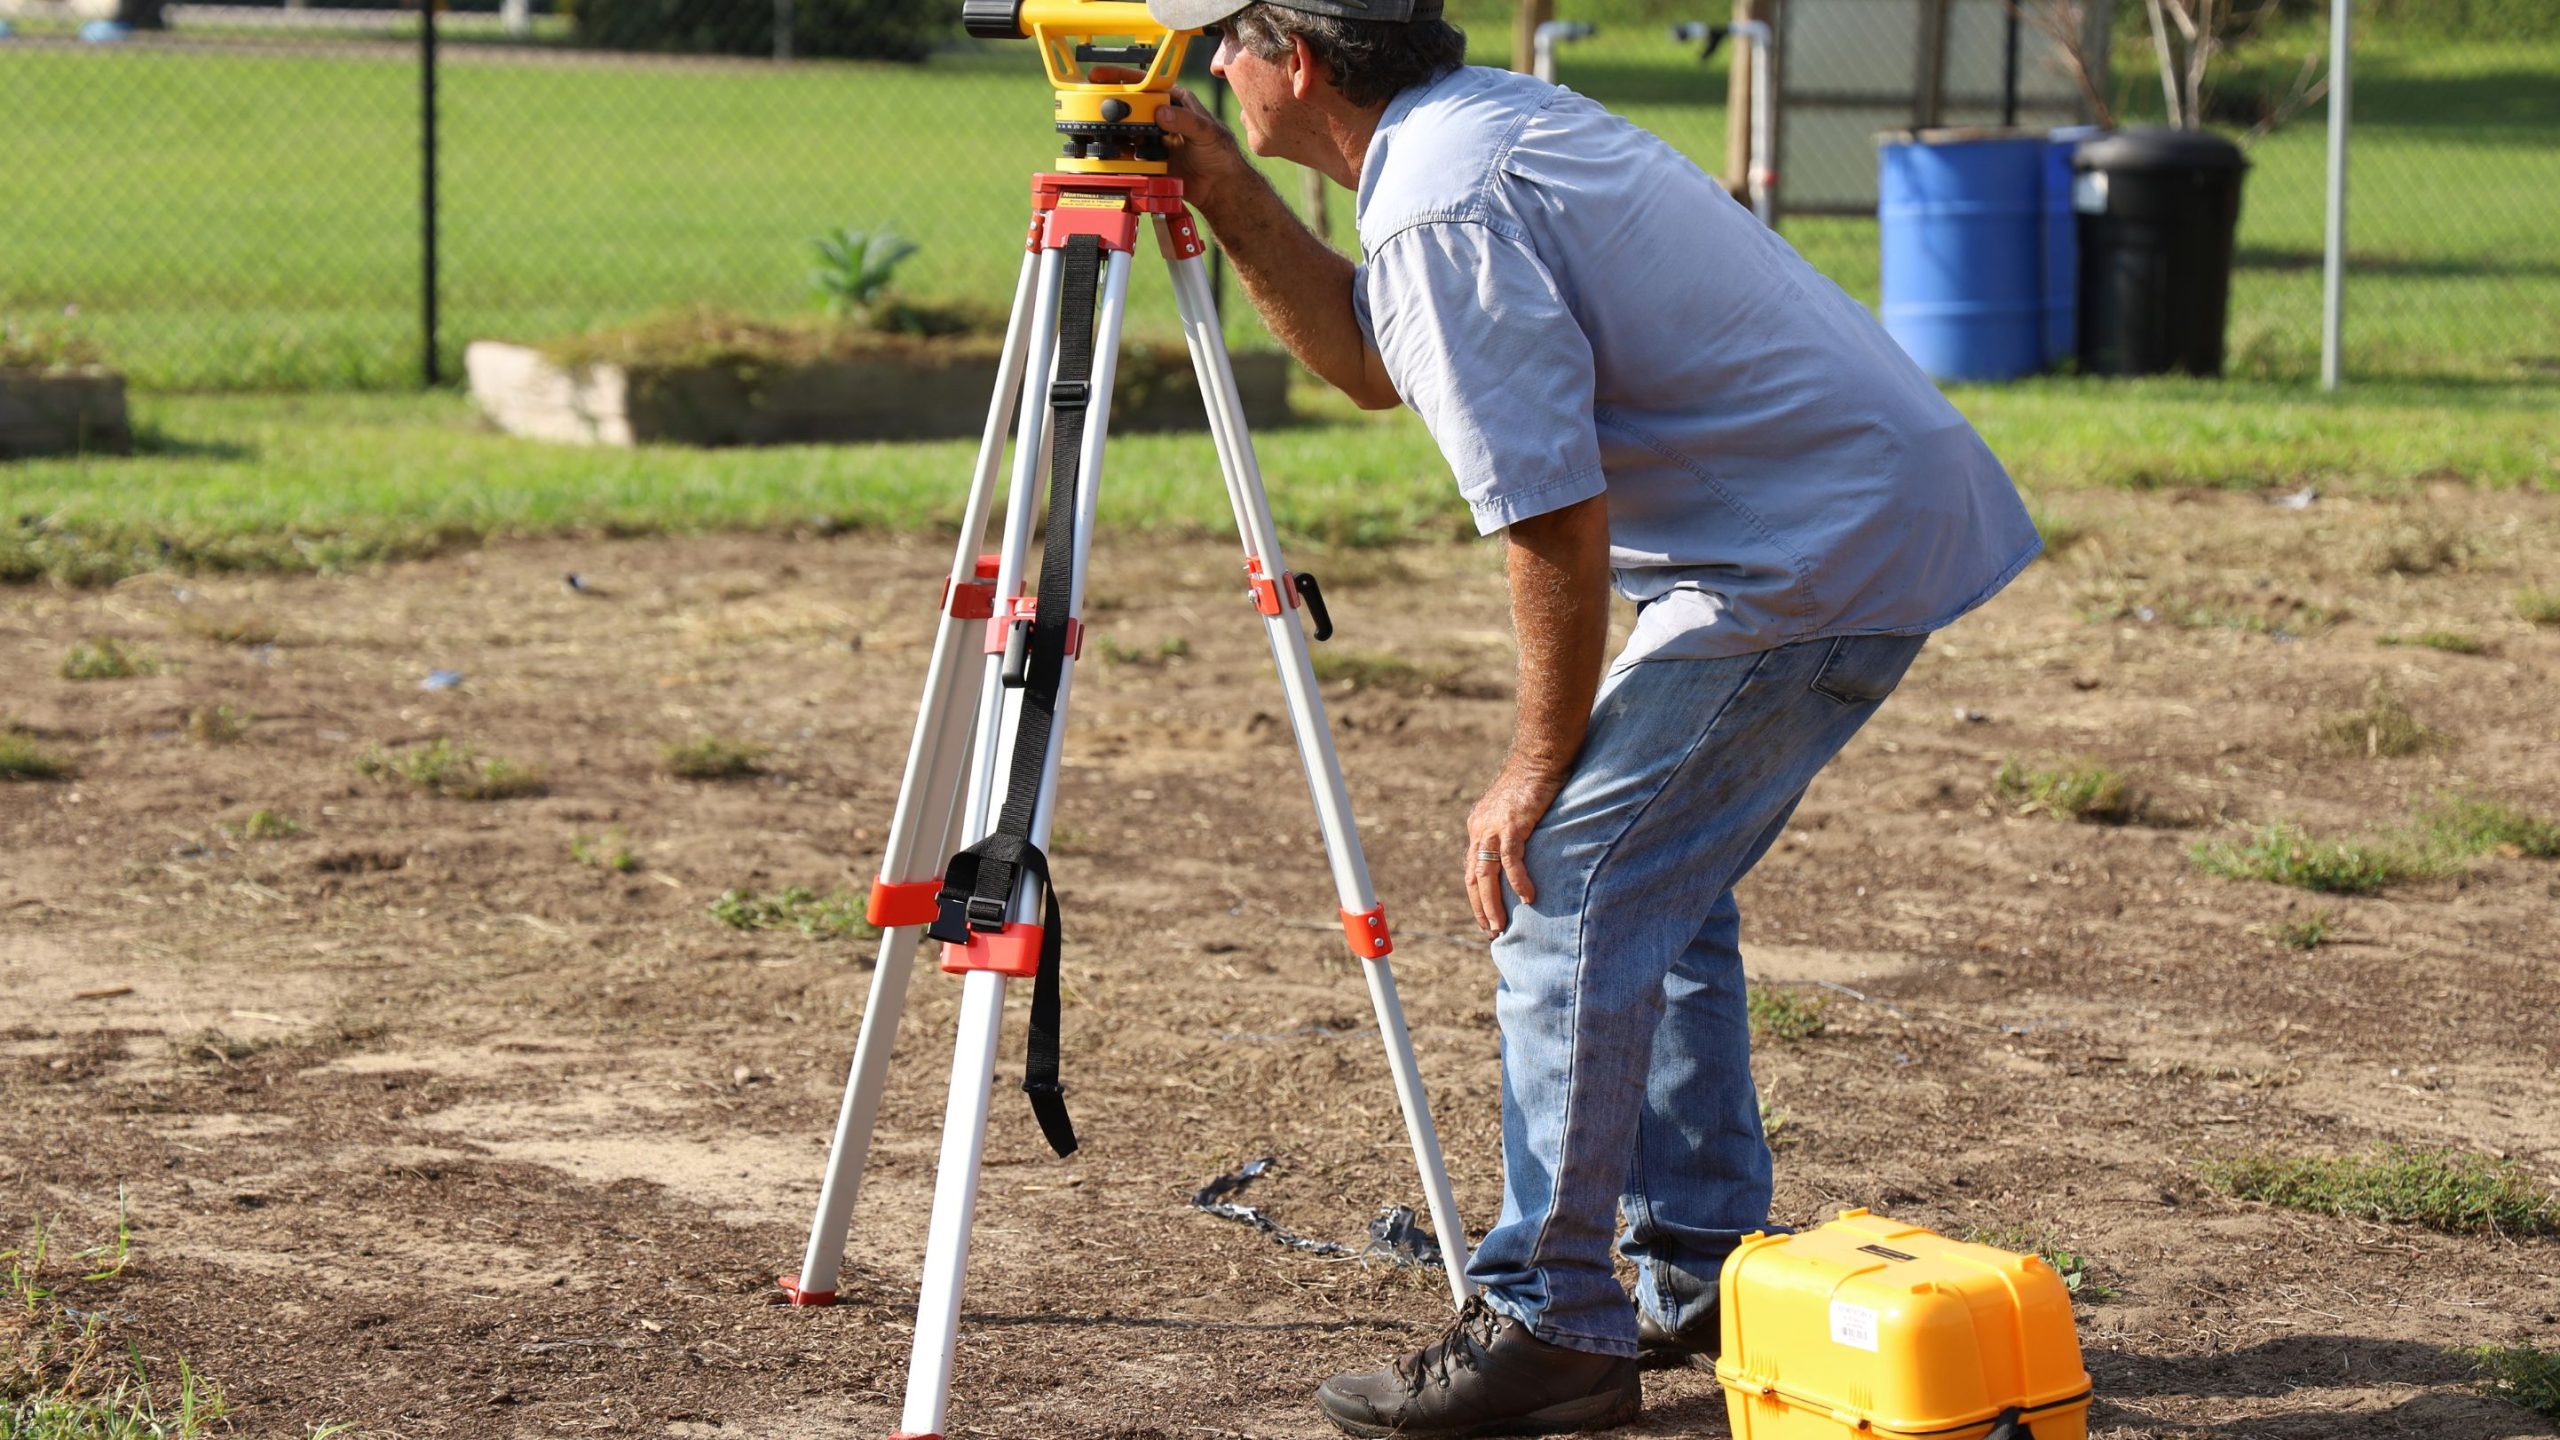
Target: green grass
(2286,855)
(107,659)
(265,824)
(2451,642)
(2520,1375)
(62,1374)
(610,852)
(2384,727)
(834,916)
(1778,1013)
(2041,1242)
(711,758)
(2464,826)
(2087,792)
(21,758)
(2538,607)
(217,724)
(457,772)
(2460,1192)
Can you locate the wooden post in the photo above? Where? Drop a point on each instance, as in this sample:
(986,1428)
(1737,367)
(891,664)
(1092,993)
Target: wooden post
(1312,202)
(1737,105)
(1524,31)
(1931,110)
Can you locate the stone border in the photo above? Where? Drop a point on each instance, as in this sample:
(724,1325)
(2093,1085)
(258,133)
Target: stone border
(63,412)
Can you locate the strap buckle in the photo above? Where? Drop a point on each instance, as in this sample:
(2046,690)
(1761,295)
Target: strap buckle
(986,912)
(1070,394)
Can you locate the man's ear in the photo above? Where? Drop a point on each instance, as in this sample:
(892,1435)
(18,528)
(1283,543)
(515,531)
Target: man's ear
(1306,70)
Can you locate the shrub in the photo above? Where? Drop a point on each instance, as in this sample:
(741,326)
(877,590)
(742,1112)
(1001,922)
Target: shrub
(845,29)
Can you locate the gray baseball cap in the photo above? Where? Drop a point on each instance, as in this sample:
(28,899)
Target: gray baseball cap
(1200,14)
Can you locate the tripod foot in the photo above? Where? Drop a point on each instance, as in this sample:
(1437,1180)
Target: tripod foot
(911,1435)
(793,1294)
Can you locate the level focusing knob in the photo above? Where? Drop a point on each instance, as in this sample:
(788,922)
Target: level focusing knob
(991,19)
(1115,111)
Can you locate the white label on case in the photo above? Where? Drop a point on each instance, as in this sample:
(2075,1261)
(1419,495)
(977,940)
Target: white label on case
(2089,192)
(1853,1326)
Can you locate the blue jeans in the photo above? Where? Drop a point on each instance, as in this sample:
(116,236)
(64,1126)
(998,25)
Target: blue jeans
(1626,1037)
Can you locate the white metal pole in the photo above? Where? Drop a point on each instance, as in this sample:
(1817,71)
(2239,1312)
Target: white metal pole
(955,1204)
(1354,890)
(928,801)
(1763,177)
(2333,270)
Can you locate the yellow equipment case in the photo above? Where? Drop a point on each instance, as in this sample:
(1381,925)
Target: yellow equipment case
(1869,1328)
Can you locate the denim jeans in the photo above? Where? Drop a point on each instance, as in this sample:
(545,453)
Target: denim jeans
(1626,1037)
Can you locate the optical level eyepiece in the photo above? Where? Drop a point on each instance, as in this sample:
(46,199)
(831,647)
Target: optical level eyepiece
(992,19)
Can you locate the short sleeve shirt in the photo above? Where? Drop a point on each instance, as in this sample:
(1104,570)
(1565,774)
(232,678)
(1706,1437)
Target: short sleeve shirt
(1574,309)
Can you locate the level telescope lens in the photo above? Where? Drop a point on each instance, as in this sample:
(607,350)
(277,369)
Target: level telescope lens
(991,19)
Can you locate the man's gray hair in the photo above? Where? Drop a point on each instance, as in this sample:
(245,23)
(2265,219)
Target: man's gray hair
(1370,59)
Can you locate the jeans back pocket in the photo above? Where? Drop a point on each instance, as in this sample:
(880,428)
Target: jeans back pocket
(1863,669)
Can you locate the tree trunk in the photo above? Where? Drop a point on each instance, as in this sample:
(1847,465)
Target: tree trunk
(1524,32)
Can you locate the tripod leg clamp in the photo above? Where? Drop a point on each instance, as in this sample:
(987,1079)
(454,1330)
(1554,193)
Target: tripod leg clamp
(1013,952)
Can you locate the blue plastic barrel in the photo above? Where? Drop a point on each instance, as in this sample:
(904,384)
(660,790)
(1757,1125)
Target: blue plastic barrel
(1962,223)
(2062,244)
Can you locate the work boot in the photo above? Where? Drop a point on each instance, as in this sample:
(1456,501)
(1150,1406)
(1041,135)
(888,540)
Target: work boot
(1487,1376)
(1659,1347)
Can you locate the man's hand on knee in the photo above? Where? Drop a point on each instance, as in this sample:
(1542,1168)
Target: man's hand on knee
(1499,828)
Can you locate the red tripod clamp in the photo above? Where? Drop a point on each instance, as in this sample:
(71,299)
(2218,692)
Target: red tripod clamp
(1107,208)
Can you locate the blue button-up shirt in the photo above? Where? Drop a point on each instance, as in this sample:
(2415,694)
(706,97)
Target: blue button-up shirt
(1575,309)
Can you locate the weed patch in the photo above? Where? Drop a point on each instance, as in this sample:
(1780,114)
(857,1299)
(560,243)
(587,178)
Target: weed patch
(1781,1014)
(2460,1192)
(2451,642)
(107,659)
(456,771)
(228,626)
(2090,793)
(1367,670)
(2384,727)
(2541,607)
(22,759)
(265,824)
(712,758)
(835,916)
(62,1376)
(2308,933)
(1165,652)
(216,724)
(2520,1375)
(2286,855)
(2041,1242)
(612,851)
(2422,548)
(2464,826)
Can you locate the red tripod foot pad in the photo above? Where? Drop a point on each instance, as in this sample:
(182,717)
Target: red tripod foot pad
(791,1291)
(1367,932)
(903,902)
(911,1435)
(1013,952)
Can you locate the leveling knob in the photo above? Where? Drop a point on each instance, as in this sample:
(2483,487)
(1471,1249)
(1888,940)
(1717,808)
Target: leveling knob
(991,19)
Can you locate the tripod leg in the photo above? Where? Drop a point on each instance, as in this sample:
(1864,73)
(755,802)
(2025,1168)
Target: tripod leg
(985,963)
(920,828)
(1275,596)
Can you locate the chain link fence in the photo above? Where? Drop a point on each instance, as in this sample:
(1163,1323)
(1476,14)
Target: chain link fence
(236,201)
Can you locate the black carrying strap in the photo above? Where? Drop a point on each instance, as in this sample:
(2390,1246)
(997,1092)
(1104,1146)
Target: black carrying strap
(978,885)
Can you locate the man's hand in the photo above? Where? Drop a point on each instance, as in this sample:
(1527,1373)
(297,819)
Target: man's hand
(1204,153)
(1500,827)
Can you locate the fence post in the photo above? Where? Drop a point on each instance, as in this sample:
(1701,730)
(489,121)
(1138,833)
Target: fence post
(2333,269)
(427,185)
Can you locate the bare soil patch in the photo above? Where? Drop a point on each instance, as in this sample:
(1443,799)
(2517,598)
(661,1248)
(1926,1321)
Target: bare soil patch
(428,1125)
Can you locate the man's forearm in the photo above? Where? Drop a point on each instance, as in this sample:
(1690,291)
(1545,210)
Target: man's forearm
(1301,285)
(1558,566)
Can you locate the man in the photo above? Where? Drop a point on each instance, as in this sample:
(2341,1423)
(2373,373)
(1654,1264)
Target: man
(1627,373)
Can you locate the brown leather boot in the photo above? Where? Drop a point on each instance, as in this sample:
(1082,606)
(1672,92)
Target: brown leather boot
(1658,1347)
(1487,1376)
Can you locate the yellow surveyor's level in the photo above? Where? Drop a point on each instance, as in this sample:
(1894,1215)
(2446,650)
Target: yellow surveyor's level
(1110,124)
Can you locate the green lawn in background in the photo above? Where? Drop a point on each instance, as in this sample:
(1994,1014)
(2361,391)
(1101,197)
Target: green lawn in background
(240,216)
(332,481)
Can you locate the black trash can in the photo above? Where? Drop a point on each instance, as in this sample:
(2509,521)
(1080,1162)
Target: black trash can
(2157,212)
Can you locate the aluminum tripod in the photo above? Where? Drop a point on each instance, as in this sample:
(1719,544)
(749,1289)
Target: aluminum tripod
(989,687)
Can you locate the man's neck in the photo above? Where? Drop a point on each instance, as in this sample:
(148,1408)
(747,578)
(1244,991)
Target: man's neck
(1343,147)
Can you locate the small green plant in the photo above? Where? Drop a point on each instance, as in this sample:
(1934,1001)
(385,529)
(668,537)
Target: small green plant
(2092,793)
(107,659)
(2460,1192)
(835,916)
(229,626)
(1786,1014)
(265,824)
(712,758)
(611,852)
(2286,855)
(2464,826)
(41,345)
(2041,1242)
(22,759)
(455,771)
(2540,607)
(1363,670)
(854,267)
(2520,1375)
(2308,933)
(2451,642)
(2384,727)
(1166,651)
(216,724)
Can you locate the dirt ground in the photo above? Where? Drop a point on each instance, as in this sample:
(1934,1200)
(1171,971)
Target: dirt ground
(424,1126)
